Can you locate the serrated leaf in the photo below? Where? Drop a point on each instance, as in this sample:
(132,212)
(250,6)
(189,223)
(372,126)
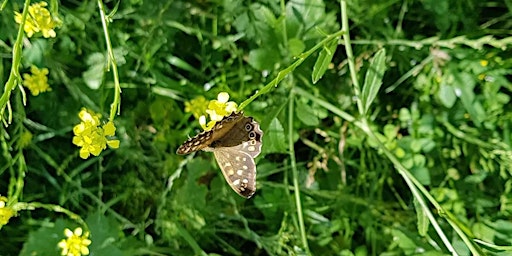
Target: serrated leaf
(93,76)
(373,79)
(323,60)
(274,140)
(105,232)
(44,241)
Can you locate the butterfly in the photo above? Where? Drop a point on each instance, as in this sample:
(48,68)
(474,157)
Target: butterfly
(235,141)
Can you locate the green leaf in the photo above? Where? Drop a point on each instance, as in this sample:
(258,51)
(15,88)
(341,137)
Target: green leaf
(105,231)
(323,60)
(274,140)
(303,15)
(447,95)
(44,241)
(193,192)
(93,76)
(296,46)
(422,219)
(373,79)
(464,84)
(305,114)
(404,241)
(421,173)
(263,58)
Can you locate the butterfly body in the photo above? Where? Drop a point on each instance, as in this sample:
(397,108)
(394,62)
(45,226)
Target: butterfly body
(235,141)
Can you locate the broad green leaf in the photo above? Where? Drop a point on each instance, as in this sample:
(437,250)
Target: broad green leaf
(373,79)
(258,24)
(305,114)
(274,140)
(447,95)
(263,58)
(44,240)
(93,76)
(193,192)
(105,237)
(464,85)
(33,54)
(296,46)
(303,15)
(421,173)
(323,60)
(404,241)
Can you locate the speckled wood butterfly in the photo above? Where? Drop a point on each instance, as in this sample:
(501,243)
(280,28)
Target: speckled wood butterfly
(235,141)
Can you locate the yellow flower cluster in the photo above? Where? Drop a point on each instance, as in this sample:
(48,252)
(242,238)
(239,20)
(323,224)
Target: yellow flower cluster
(75,244)
(217,109)
(38,20)
(90,136)
(6,212)
(38,81)
(196,106)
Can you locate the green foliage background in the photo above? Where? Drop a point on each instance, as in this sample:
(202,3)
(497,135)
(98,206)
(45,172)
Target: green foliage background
(378,144)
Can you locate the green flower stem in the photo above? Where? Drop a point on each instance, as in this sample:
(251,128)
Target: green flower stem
(20,182)
(295,174)
(14,75)
(283,24)
(350,56)
(283,73)
(51,207)
(115,107)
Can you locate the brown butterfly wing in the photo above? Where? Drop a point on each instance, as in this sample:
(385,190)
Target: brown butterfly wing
(235,155)
(235,142)
(244,129)
(205,138)
(238,168)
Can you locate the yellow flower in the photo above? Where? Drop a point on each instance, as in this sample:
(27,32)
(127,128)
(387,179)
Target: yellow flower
(75,244)
(91,137)
(206,126)
(6,212)
(217,109)
(38,20)
(484,63)
(38,81)
(196,106)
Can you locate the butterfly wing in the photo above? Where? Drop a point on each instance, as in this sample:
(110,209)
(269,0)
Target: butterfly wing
(238,168)
(205,138)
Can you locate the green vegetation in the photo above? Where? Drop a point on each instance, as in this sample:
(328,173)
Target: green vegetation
(387,127)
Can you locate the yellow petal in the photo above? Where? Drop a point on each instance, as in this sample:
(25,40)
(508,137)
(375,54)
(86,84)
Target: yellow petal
(78,231)
(223,97)
(109,129)
(84,154)
(68,232)
(113,143)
